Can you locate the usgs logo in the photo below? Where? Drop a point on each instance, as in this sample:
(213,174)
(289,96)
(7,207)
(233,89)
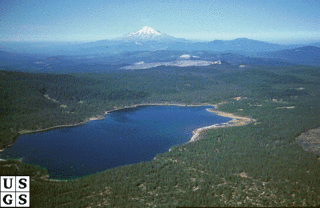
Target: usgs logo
(15,191)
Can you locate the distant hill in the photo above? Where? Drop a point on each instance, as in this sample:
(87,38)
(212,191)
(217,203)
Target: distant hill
(306,55)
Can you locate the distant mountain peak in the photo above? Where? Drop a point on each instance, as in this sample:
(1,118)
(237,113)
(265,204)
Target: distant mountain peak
(148,34)
(146,31)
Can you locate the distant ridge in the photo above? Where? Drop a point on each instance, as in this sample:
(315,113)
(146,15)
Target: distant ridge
(148,39)
(236,45)
(306,55)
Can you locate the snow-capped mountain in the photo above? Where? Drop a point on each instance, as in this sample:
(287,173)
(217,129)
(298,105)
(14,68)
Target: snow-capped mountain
(145,32)
(149,34)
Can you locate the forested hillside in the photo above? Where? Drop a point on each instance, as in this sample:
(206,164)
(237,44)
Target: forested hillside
(258,164)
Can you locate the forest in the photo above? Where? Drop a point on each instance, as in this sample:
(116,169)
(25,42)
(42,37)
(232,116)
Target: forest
(259,164)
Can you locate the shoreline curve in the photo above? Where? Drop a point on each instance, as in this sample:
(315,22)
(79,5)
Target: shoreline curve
(236,121)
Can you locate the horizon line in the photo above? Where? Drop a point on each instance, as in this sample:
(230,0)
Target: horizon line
(279,42)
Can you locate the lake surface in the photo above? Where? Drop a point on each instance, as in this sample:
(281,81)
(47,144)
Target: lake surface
(124,137)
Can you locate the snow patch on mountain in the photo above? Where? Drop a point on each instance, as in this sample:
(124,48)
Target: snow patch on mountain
(186,56)
(217,62)
(139,63)
(178,63)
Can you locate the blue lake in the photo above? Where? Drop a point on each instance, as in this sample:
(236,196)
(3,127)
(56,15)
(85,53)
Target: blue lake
(124,137)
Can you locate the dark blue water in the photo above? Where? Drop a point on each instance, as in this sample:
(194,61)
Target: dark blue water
(124,137)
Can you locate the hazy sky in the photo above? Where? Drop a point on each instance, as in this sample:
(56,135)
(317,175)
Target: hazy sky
(281,21)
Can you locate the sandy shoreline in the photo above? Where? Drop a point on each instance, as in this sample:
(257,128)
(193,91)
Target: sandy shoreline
(0,158)
(236,121)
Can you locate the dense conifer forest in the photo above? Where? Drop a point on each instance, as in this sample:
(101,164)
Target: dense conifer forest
(259,164)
